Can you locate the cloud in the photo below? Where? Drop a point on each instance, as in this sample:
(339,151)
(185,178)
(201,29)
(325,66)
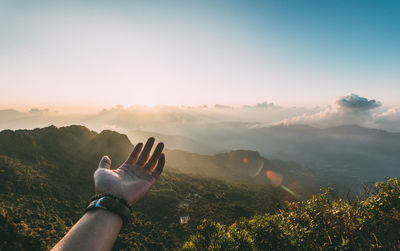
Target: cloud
(264,104)
(355,102)
(37,111)
(351,109)
(197,120)
(389,119)
(219,106)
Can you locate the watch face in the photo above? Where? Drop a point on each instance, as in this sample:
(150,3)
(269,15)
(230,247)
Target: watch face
(101,203)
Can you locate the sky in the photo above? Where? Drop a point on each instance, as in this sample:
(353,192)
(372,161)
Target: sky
(98,54)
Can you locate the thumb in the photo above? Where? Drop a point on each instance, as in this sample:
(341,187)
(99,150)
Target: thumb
(105,162)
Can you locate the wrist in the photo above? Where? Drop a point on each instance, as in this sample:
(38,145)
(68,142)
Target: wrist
(106,217)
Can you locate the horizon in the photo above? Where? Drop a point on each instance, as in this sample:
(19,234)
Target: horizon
(87,108)
(345,110)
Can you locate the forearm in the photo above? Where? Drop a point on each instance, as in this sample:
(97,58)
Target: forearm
(96,230)
(118,188)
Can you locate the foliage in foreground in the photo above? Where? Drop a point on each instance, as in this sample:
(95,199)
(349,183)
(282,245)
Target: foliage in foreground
(318,223)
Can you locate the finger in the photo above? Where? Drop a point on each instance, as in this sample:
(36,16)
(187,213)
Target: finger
(135,154)
(146,152)
(156,155)
(105,162)
(160,166)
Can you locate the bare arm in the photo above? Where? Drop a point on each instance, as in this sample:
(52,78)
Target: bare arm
(98,229)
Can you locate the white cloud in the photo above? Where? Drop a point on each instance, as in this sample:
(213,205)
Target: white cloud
(389,119)
(354,110)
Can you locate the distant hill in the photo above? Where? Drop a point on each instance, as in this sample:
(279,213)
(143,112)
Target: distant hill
(361,153)
(349,155)
(246,166)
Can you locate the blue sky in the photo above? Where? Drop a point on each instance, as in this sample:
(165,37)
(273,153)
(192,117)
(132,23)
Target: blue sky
(103,53)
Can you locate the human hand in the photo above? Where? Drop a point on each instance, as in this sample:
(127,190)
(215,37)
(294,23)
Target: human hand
(134,178)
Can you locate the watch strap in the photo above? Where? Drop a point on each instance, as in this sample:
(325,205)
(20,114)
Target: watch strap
(100,195)
(112,204)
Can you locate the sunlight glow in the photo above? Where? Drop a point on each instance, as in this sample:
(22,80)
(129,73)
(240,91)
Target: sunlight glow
(134,53)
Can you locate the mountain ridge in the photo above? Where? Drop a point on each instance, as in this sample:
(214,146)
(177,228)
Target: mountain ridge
(236,165)
(46,179)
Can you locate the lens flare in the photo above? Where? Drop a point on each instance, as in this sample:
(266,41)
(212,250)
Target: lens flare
(259,169)
(297,196)
(274,177)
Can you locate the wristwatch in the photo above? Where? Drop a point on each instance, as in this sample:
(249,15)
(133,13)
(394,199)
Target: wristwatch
(113,204)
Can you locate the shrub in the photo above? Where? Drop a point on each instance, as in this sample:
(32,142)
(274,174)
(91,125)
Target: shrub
(317,223)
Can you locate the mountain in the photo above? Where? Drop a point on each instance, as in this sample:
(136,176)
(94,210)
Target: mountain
(349,155)
(247,166)
(72,142)
(46,179)
(353,151)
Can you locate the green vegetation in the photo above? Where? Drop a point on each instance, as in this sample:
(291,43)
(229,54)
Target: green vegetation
(319,223)
(35,214)
(46,179)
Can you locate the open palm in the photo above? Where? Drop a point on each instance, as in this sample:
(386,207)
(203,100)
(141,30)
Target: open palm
(134,178)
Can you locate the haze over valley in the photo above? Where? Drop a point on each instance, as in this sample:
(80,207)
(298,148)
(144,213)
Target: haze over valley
(354,141)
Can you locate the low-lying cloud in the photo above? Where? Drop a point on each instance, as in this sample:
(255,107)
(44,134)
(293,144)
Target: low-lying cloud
(196,120)
(263,105)
(352,110)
